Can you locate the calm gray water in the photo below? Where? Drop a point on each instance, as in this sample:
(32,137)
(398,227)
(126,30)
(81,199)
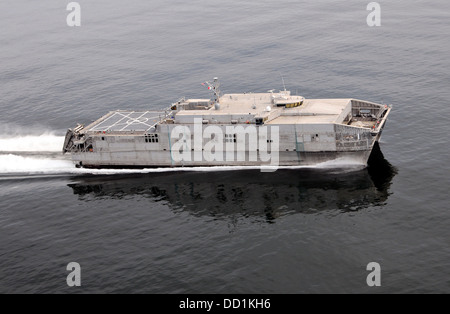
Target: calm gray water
(302,231)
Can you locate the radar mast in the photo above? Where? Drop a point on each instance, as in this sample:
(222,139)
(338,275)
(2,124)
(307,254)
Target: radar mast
(214,86)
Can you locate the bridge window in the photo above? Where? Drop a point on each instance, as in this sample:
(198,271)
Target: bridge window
(151,138)
(314,137)
(230,138)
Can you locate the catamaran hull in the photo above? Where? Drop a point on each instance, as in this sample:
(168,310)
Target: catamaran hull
(140,160)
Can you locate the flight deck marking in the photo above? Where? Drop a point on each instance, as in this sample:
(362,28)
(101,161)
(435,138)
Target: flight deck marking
(135,120)
(97,127)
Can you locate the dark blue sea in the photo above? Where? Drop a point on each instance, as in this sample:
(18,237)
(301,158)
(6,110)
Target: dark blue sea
(311,230)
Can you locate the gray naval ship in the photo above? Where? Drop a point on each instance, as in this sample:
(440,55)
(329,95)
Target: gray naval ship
(274,129)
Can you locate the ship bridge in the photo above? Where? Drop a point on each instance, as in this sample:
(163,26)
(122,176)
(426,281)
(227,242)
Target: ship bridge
(259,108)
(278,108)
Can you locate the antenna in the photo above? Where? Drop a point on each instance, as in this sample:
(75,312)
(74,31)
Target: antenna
(214,86)
(282,79)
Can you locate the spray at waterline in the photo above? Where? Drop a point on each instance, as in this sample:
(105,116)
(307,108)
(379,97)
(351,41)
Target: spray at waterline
(46,142)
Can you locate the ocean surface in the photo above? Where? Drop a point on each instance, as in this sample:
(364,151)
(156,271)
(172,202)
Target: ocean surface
(311,230)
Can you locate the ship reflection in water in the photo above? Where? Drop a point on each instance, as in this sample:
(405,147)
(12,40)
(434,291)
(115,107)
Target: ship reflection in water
(251,193)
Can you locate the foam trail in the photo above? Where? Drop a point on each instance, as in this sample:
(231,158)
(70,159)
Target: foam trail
(343,162)
(16,164)
(20,164)
(46,142)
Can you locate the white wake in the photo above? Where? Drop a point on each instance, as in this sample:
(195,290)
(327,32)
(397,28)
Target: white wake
(46,142)
(11,163)
(18,164)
